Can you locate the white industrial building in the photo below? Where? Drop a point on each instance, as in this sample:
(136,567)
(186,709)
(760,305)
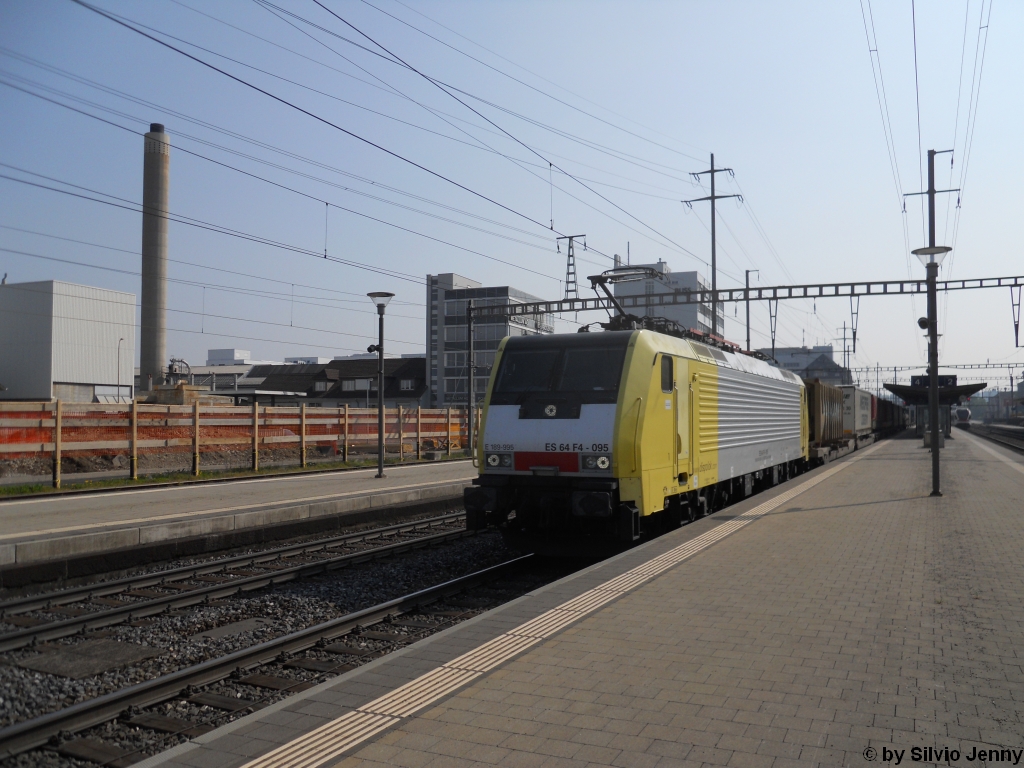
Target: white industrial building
(216,357)
(696,317)
(65,341)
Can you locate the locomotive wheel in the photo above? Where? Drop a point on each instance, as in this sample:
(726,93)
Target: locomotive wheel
(690,513)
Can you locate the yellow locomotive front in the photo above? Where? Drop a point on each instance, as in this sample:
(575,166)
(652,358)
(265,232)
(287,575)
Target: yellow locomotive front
(546,449)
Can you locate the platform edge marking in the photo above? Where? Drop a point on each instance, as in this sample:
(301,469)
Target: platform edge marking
(432,686)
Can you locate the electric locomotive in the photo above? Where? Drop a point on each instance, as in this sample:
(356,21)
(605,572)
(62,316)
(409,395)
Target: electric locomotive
(601,436)
(963,417)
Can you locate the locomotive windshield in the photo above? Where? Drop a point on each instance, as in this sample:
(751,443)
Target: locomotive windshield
(591,372)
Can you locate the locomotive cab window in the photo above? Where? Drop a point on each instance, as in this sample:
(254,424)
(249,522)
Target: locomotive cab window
(594,370)
(666,373)
(527,371)
(585,372)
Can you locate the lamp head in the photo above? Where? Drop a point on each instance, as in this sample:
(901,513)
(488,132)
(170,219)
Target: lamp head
(380,298)
(932,255)
(922,323)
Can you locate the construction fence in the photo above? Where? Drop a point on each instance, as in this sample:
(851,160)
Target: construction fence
(40,437)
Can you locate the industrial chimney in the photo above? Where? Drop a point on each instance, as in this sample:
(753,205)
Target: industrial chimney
(155,183)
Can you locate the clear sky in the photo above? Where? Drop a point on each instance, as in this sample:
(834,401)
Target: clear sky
(624,100)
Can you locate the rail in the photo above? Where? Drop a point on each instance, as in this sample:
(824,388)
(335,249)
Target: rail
(37,731)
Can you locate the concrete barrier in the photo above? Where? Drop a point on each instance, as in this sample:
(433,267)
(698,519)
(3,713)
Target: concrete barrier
(71,554)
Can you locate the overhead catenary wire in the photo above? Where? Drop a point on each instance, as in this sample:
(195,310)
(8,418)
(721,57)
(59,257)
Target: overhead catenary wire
(393,59)
(390,90)
(507,133)
(277,149)
(138,305)
(981,46)
(321,200)
(551,82)
(271,295)
(917,99)
(309,113)
(181,219)
(274,9)
(22,312)
(531,87)
(362,297)
(878,79)
(232,134)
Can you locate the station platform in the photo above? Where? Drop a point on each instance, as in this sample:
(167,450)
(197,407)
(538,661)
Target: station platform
(38,530)
(838,614)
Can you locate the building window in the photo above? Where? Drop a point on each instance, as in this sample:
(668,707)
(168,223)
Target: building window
(320,386)
(454,359)
(408,385)
(358,385)
(455,333)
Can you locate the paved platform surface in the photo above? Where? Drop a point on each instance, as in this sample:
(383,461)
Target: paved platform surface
(837,616)
(44,528)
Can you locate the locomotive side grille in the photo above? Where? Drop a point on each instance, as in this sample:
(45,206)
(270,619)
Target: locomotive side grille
(753,410)
(707,423)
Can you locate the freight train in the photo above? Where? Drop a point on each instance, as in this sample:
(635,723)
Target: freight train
(607,436)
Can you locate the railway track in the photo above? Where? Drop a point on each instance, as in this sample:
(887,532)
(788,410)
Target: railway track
(101,605)
(327,648)
(1005,436)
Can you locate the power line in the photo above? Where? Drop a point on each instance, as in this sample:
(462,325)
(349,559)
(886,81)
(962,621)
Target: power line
(890,140)
(395,60)
(541,77)
(917,96)
(390,90)
(972,106)
(511,136)
(348,210)
(308,113)
(179,219)
(274,9)
(232,134)
(272,295)
(235,135)
(207,314)
(215,269)
(527,85)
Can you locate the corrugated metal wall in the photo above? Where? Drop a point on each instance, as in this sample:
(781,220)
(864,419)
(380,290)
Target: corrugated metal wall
(87,323)
(25,329)
(52,331)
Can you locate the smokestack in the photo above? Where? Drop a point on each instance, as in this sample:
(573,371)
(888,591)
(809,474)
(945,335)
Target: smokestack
(155,197)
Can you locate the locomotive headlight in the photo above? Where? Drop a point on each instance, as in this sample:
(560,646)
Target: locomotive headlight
(499,460)
(590,462)
(603,462)
(596,462)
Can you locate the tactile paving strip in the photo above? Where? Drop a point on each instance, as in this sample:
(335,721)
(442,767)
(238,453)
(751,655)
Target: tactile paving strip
(329,741)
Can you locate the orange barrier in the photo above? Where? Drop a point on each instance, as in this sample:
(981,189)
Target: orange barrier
(58,430)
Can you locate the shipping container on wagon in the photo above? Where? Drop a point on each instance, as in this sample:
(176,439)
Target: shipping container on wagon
(825,411)
(856,411)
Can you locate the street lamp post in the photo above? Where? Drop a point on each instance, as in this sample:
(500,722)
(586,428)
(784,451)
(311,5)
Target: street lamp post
(381,299)
(932,257)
